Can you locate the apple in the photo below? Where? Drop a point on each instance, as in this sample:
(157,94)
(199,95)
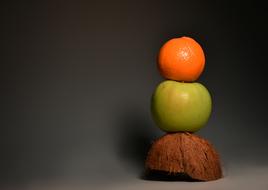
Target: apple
(178,106)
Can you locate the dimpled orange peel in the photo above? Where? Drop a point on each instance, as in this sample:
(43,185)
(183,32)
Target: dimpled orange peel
(181,59)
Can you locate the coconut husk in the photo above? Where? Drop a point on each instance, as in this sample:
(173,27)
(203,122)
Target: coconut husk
(186,154)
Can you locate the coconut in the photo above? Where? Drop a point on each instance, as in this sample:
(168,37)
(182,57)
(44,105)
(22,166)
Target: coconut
(183,154)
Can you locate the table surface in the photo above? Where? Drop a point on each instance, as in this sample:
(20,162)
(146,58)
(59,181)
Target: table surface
(243,177)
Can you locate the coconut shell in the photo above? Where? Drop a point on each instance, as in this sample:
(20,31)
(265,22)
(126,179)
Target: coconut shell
(184,153)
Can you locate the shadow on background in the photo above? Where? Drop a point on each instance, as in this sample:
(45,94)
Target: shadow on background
(134,139)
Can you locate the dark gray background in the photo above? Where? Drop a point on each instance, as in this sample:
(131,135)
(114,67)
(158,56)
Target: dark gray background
(77,77)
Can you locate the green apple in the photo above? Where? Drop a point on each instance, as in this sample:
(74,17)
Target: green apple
(178,106)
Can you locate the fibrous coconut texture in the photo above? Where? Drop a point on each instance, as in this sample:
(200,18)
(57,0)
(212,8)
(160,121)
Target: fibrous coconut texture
(183,153)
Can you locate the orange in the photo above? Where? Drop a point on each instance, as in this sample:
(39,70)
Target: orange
(181,59)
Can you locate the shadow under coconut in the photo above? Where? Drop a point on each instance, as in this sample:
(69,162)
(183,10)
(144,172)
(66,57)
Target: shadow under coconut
(165,176)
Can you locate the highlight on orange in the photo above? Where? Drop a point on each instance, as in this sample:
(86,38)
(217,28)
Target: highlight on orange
(181,59)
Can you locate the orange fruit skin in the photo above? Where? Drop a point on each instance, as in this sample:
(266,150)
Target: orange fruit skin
(181,59)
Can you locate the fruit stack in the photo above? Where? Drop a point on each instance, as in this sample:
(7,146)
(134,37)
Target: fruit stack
(180,106)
